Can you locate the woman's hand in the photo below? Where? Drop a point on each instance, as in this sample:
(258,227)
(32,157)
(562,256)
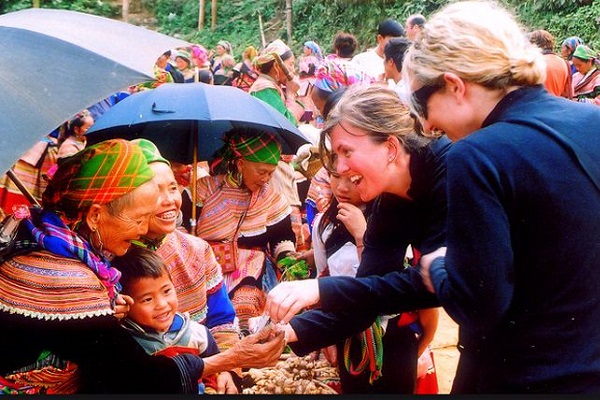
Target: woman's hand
(288,298)
(354,220)
(122,304)
(261,349)
(308,256)
(225,384)
(425,264)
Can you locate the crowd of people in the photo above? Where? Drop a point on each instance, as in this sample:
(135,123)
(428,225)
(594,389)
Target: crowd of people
(449,175)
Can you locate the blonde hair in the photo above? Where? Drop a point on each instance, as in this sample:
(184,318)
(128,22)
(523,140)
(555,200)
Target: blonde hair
(480,42)
(377,110)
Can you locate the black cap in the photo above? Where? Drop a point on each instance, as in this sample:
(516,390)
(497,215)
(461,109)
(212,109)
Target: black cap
(390,27)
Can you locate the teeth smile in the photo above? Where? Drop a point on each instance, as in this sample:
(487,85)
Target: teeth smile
(167,215)
(355,178)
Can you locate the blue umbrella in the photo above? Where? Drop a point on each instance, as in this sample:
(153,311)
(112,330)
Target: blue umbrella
(187,121)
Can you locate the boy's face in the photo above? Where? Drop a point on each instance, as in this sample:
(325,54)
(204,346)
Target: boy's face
(155,302)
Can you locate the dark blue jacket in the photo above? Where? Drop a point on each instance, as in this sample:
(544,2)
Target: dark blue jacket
(522,271)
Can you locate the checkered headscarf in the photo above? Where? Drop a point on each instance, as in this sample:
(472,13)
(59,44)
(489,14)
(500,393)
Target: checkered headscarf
(98,174)
(252,145)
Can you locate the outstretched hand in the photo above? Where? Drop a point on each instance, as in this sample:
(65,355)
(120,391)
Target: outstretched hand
(288,298)
(261,349)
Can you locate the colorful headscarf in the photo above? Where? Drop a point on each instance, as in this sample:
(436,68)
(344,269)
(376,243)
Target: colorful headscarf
(252,145)
(314,47)
(185,54)
(584,53)
(98,174)
(225,44)
(331,75)
(274,49)
(572,43)
(199,55)
(150,151)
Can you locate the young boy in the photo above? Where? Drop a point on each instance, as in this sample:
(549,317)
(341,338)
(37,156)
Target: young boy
(153,319)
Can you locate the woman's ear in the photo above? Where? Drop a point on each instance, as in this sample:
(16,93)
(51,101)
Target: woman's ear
(454,85)
(392,148)
(239,163)
(94,216)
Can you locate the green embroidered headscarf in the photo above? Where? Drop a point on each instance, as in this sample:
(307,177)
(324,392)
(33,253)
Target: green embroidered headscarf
(150,151)
(249,144)
(98,174)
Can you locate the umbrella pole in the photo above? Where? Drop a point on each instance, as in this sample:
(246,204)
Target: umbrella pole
(194,178)
(22,188)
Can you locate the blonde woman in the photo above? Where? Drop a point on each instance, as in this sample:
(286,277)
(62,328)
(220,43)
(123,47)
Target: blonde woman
(519,274)
(402,174)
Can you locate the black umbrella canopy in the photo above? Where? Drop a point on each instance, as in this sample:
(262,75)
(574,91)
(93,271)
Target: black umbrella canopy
(179,117)
(56,62)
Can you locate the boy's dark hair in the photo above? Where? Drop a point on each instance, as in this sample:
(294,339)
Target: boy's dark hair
(395,49)
(139,262)
(345,44)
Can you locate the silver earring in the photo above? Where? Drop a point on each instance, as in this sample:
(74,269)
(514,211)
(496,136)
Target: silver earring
(100,245)
(239,178)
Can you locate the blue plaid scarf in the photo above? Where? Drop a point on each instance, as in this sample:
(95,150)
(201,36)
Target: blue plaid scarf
(50,233)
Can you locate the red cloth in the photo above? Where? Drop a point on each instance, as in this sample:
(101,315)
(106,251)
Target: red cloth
(428,384)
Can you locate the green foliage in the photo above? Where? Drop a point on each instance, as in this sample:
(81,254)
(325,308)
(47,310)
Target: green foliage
(237,20)
(293,269)
(97,7)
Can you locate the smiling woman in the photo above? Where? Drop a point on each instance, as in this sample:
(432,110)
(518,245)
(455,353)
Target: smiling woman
(241,208)
(59,293)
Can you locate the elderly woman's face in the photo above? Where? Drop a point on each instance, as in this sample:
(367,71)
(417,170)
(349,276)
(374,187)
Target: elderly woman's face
(164,219)
(254,174)
(117,231)
(366,163)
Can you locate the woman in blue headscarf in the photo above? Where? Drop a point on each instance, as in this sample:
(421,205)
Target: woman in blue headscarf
(310,59)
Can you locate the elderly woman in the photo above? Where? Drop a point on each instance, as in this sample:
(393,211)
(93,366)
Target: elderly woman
(276,84)
(519,273)
(586,81)
(240,207)
(59,294)
(196,274)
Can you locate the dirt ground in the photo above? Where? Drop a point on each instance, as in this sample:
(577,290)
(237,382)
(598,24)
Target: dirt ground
(445,353)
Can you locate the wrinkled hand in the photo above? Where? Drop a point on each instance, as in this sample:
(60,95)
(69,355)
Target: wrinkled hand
(261,349)
(425,264)
(308,256)
(122,304)
(353,218)
(288,298)
(225,384)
